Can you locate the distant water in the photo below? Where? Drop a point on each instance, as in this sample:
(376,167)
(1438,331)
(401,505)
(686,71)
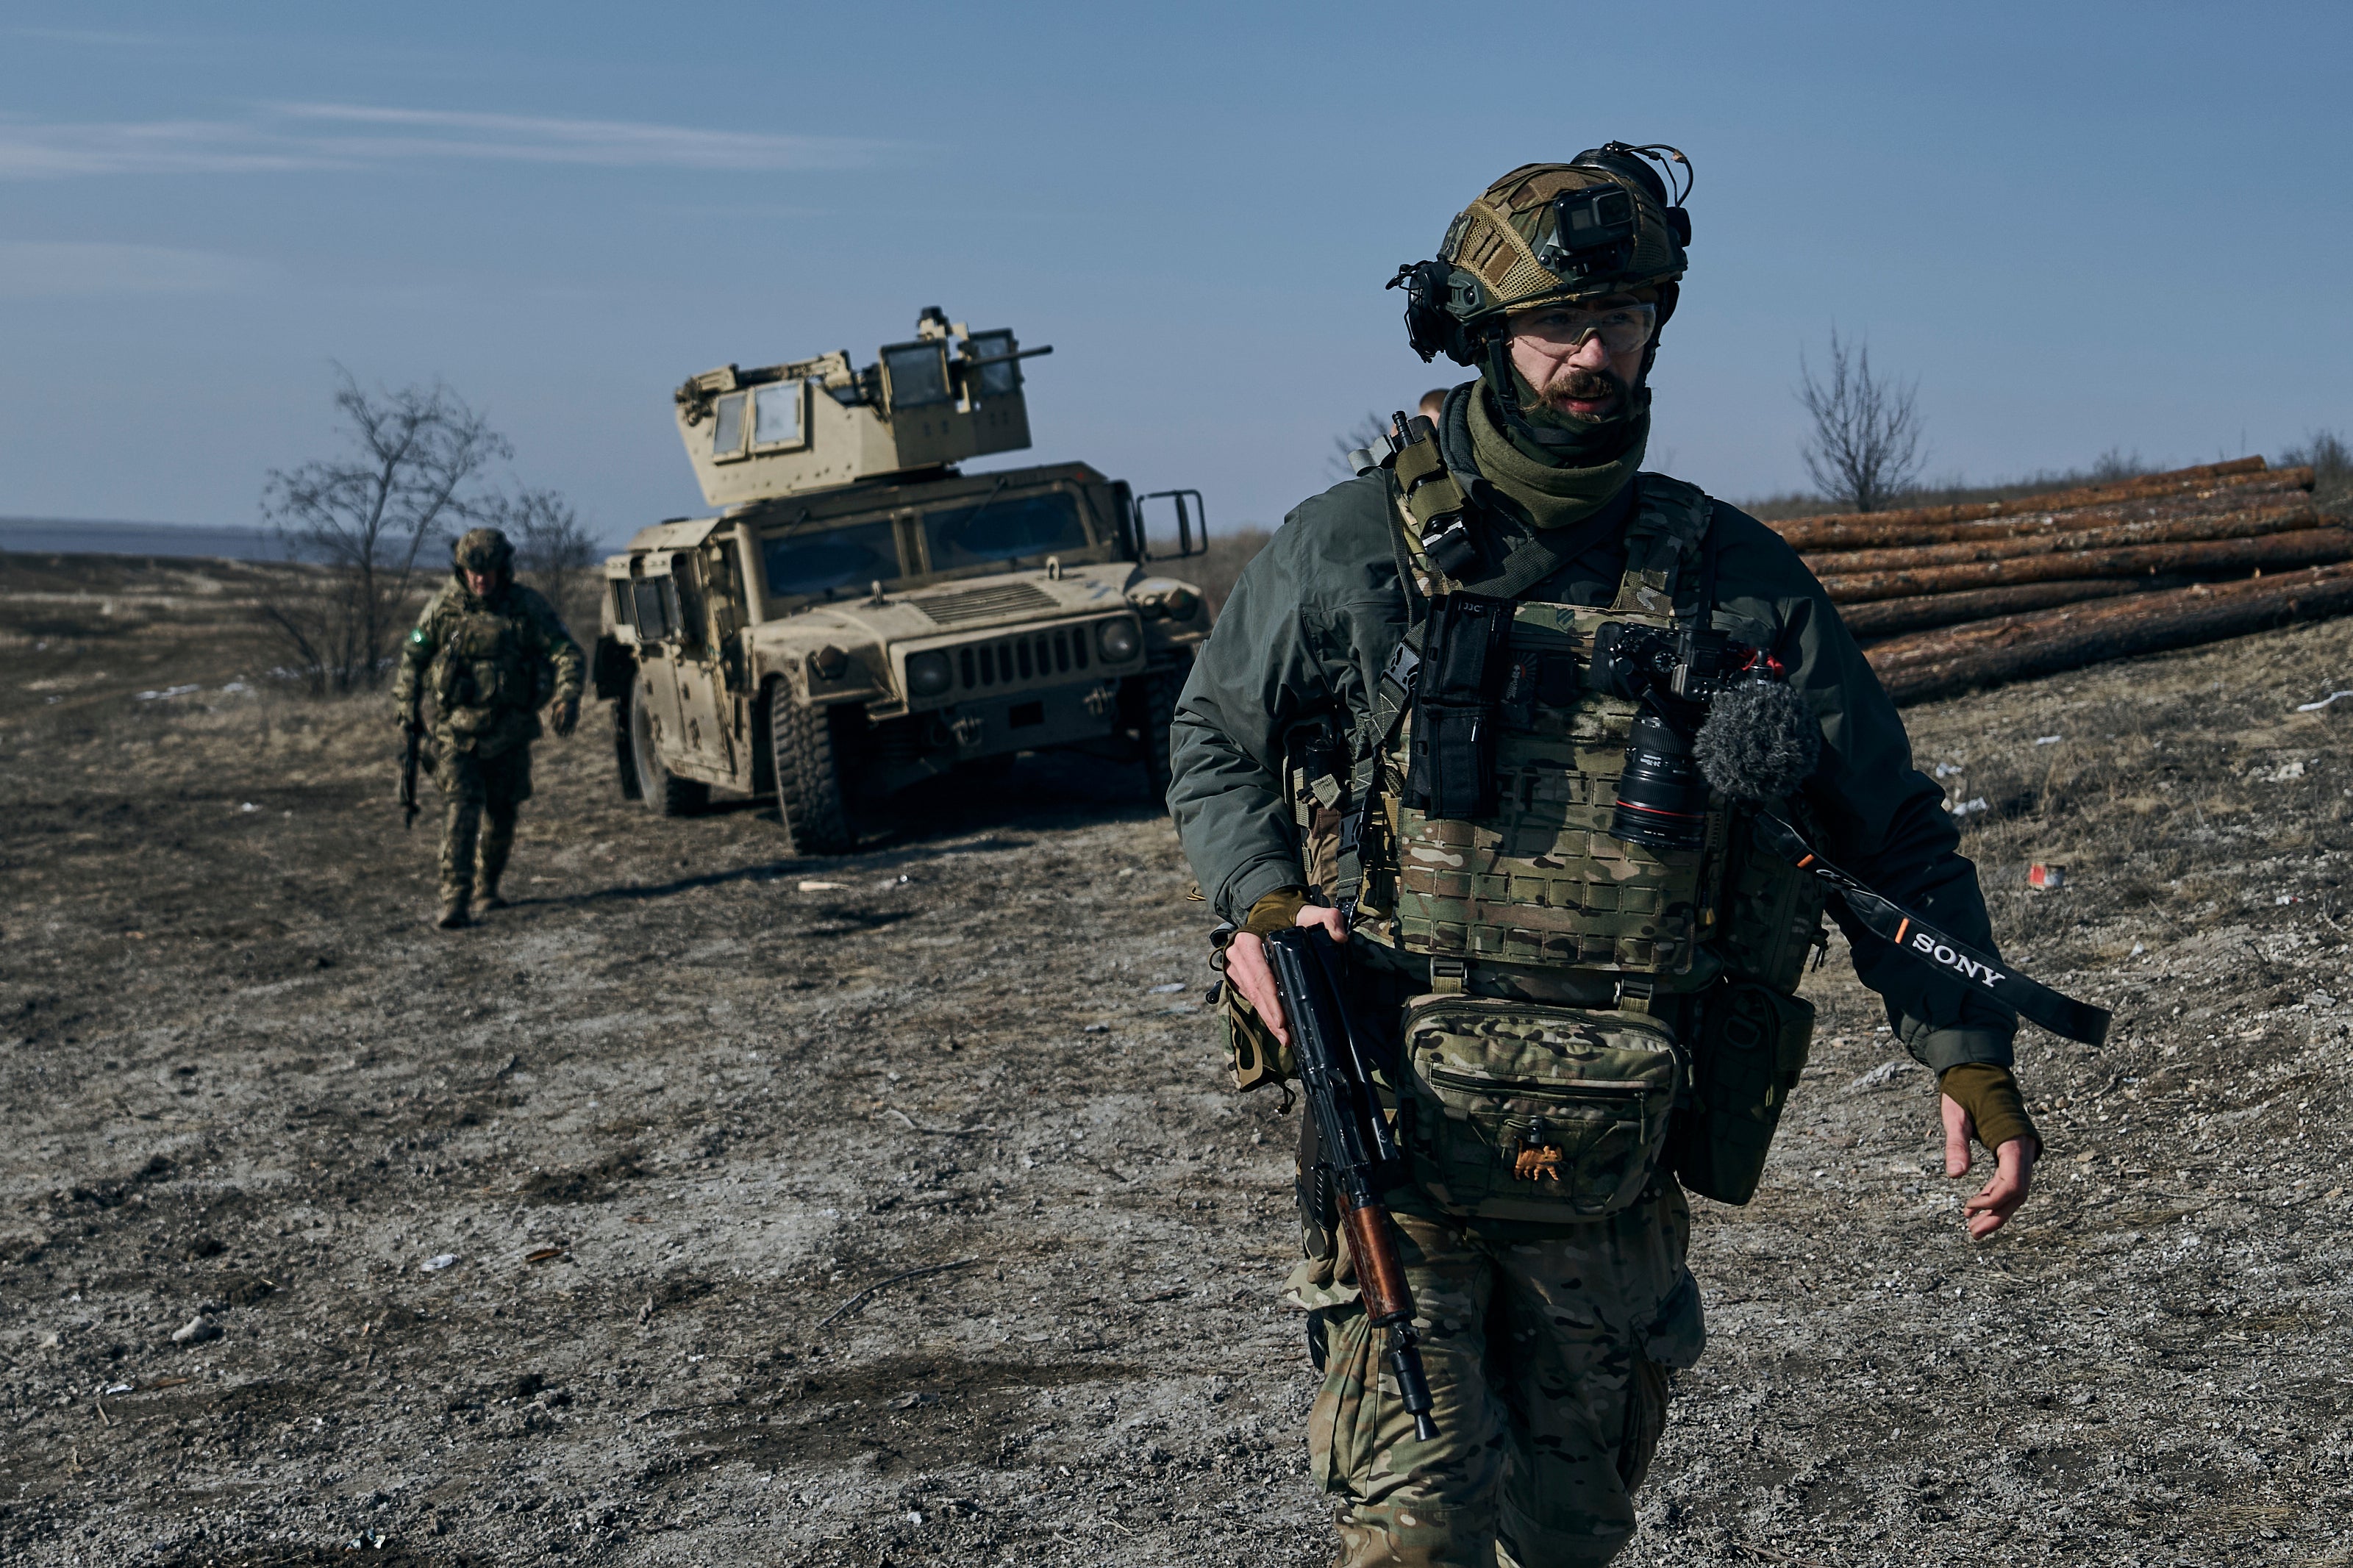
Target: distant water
(51,536)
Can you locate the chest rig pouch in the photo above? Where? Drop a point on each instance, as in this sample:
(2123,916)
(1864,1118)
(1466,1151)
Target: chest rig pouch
(1452,766)
(481,669)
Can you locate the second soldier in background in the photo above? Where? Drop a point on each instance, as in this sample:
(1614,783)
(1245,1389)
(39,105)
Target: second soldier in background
(490,653)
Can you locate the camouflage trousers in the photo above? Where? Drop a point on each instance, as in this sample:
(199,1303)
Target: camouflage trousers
(1547,1352)
(476,789)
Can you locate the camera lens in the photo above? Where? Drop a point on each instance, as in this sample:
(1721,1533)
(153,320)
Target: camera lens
(1661,799)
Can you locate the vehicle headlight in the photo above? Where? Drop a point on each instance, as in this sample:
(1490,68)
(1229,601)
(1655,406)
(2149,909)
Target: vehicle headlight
(928,674)
(1181,603)
(1117,640)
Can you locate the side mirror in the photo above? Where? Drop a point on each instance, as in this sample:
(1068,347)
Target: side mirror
(1192,525)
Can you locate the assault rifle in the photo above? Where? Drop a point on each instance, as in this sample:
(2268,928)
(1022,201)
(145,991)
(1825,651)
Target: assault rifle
(408,761)
(1356,1143)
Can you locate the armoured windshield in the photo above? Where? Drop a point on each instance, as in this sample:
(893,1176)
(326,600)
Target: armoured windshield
(823,562)
(1004,529)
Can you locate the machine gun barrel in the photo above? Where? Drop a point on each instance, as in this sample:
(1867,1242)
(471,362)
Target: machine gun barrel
(1357,1144)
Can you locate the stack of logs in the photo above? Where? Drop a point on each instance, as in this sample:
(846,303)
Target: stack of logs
(1947,598)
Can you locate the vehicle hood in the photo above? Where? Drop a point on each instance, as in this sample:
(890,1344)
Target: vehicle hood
(948,608)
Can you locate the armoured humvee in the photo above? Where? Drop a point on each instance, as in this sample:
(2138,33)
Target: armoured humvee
(860,616)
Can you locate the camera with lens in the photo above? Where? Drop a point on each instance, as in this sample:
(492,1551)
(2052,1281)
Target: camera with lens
(1661,796)
(1593,231)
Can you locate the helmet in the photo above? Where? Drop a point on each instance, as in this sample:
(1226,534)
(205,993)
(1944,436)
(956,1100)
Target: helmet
(1601,224)
(482,549)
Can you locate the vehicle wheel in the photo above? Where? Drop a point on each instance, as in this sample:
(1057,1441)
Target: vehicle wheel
(809,757)
(625,754)
(664,790)
(1152,710)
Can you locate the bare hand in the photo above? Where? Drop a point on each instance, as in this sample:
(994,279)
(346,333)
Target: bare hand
(564,716)
(2013,1172)
(1247,971)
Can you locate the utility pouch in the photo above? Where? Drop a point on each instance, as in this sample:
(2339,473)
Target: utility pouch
(1747,1053)
(1452,767)
(1527,1111)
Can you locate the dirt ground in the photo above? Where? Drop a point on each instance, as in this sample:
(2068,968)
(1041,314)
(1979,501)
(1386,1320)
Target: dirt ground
(690,1213)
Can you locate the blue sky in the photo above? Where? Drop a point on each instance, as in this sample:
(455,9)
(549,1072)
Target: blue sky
(2080,226)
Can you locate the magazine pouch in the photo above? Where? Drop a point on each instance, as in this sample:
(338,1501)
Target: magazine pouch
(1746,1055)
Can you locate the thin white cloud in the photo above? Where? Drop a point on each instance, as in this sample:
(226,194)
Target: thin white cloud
(30,150)
(98,38)
(613,143)
(48,269)
(316,136)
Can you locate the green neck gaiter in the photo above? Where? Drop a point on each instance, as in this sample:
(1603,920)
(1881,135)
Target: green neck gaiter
(1563,484)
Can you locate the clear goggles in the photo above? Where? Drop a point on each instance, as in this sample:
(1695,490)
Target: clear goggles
(1622,329)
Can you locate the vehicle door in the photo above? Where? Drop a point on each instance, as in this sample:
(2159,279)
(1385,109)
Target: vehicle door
(697,678)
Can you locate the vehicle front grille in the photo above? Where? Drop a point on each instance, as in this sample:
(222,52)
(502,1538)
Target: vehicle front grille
(1031,656)
(992,602)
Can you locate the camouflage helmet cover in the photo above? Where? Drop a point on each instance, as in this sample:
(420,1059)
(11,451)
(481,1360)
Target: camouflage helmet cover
(1504,251)
(482,549)
(1499,239)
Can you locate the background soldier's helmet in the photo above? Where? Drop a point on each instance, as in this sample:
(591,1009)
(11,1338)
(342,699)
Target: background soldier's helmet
(1604,223)
(483,550)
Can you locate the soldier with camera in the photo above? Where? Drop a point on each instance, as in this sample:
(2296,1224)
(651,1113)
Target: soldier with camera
(1556,753)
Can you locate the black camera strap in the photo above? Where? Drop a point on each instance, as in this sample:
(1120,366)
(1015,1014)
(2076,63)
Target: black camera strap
(2013,992)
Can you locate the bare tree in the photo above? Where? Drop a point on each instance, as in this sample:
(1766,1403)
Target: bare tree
(367,518)
(553,550)
(1356,438)
(2332,465)
(1865,446)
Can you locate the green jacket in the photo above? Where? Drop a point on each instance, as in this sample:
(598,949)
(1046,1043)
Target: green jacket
(488,665)
(1316,616)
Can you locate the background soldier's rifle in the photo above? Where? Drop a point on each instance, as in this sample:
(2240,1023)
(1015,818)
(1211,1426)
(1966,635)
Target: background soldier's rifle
(1356,1144)
(408,761)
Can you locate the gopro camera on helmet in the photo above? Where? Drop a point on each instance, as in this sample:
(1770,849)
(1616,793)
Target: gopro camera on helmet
(1592,232)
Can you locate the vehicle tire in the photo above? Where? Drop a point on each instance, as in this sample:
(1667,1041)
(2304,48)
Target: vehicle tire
(1152,710)
(625,754)
(662,790)
(810,755)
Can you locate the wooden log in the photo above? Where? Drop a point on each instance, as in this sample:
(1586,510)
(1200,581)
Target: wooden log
(2016,647)
(2304,547)
(2252,523)
(1890,618)
(1931,525)
(2049,501)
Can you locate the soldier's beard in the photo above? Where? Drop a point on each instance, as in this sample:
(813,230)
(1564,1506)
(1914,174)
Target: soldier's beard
(1585,384)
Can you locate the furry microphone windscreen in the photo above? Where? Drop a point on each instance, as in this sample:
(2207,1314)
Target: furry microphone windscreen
(1760,741)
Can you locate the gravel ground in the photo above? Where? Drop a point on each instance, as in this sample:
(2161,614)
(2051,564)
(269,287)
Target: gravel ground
(687,1133)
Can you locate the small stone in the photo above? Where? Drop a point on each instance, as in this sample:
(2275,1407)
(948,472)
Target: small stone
(200,1330)
(437,1262)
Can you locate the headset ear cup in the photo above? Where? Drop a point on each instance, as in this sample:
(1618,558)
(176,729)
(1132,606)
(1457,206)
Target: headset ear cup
(1670,294)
